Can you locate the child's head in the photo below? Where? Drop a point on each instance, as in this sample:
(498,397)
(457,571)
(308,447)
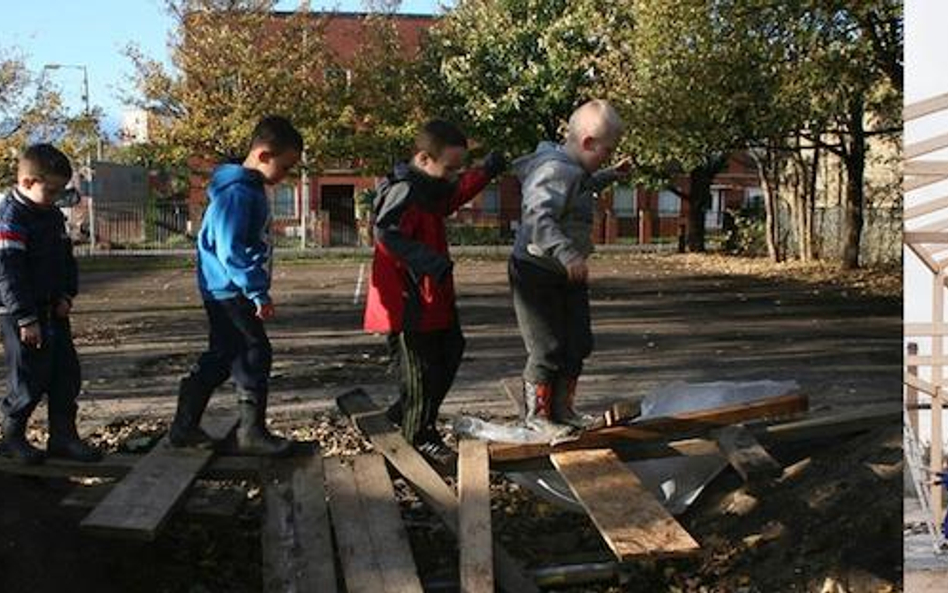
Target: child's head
(440,149)
(42,173)
(275,148)
(593,133)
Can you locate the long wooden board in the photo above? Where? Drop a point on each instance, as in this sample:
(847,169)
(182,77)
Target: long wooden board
(631,521)
(746,455)
(474,533)
(295,536)
(373,545)
(425,480)
(661,428)
(141,503)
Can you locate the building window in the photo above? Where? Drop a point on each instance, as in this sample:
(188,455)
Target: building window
(283,203)
(754,198)
(669,203)
(491,199)
(623,201)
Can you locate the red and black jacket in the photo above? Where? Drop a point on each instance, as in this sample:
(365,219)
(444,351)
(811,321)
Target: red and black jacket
(412,286)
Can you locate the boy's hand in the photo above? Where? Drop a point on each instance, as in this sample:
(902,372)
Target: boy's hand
(266,311)
(624,167)
(495,163)
(32,335)
(576,271)
(63,309)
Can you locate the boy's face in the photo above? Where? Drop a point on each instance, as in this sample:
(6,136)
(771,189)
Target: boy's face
(276,166)
(42,189)
(445,166)
(596,152)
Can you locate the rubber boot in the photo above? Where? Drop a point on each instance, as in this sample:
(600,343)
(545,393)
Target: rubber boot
(564,398)
(252,436)
(538,399)
(186,428)
(64,441)
(15,444)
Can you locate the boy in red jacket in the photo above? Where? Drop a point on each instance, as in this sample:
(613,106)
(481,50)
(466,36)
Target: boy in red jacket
(411,293)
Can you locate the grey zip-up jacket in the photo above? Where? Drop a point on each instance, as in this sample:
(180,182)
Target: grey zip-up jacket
(558,203)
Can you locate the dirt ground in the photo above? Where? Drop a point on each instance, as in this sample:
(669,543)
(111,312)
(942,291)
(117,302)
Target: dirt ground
(832,522)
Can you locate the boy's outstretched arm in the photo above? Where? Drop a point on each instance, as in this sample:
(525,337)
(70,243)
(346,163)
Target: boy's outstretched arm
(545,197)
(475,180)
(15,291)
(241,248)
(393,228)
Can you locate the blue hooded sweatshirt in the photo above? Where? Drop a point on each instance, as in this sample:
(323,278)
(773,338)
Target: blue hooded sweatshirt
(234,251)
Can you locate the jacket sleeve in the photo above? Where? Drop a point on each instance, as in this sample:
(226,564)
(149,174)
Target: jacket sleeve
(71,271)
(471,183)
(393,229)
(239,244)
(16,291)
(601,179)
(546,193)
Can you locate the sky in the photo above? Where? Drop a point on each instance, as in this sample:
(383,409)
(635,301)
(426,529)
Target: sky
(93,33)
(925,77)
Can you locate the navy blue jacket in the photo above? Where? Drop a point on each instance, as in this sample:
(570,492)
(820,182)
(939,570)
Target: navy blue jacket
(37,267)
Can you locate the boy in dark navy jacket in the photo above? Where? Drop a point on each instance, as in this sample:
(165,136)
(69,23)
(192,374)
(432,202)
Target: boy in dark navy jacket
(38,282)
(234,264)
(411,293)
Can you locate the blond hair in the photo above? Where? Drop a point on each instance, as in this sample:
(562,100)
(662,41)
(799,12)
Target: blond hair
(597,119)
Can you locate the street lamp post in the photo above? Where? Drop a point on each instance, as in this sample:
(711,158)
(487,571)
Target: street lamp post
(98,141)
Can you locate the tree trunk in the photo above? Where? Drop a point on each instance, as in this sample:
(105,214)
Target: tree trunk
(855,162)
(768,177)
(699,198)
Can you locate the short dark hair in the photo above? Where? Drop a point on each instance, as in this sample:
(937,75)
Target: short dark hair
(438,134)
(277,133)
(45,160)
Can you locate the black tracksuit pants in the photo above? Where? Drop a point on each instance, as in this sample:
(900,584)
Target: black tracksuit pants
(428,362)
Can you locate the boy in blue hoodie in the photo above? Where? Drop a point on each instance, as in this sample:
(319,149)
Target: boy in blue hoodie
(234,265)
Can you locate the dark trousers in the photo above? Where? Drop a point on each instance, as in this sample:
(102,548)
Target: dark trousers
(553,317)
(428,363)
(237,346)
(53,370)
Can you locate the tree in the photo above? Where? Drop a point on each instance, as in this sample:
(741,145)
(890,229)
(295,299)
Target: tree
(512,71)
(234,61)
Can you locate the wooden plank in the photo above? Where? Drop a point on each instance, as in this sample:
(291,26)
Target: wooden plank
(628,517)
(927,207)
(141,503)
(201,503)
(911,393)
(922,385)
(513,389)
(924,329)
(910,184)
(926,257)
(937,454)
(926,107)
(474,531)
(509,575)
(373,545)
(746,455)
(926,168)
(680,425)
(296,540)
(925,238)
(925,361)
(926,146)
(117,465)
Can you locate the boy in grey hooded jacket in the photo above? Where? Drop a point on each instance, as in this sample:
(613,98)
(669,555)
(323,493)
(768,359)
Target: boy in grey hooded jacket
(547,269)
